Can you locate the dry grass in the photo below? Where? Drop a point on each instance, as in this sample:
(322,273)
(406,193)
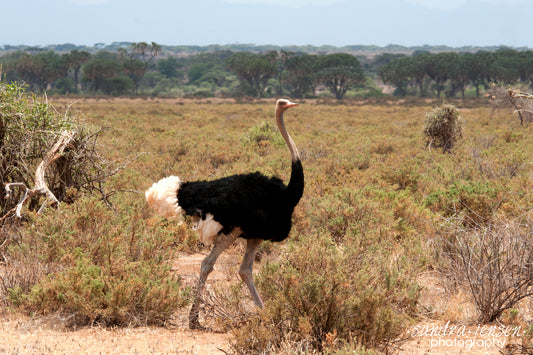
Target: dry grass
(371,184)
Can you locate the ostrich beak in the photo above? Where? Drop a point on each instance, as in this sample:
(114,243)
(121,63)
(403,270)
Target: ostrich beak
(291,104)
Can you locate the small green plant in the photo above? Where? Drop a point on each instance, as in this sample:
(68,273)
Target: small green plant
(443,127)
(263,132)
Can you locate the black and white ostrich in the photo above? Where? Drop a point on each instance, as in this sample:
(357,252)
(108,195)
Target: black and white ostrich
(251,206)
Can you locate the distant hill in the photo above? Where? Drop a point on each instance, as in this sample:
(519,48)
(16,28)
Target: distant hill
(366,50)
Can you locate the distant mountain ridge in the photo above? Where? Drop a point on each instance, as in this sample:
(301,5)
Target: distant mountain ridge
(368,50)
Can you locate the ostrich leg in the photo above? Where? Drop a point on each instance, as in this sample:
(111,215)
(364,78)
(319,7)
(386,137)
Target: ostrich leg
(245,271)
(222,242)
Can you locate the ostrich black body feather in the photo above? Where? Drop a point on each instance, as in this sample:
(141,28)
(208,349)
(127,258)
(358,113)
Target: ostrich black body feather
(260,206)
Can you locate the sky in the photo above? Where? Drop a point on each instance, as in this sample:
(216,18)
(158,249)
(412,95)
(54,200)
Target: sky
(455,23)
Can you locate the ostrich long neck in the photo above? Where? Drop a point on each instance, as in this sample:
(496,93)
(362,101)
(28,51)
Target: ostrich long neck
(295,156)
(295,188)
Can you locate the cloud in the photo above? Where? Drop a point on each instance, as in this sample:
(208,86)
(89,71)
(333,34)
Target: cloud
(455,4)
(286,3)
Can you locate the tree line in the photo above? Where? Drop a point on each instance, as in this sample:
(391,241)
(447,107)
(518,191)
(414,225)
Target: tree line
(141,68)
(451,74)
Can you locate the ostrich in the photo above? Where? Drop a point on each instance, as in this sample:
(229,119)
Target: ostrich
(251,206)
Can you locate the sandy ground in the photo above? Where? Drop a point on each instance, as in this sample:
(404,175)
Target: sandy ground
(23,336)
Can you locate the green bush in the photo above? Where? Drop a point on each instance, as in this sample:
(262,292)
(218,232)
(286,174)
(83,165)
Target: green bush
(474,202)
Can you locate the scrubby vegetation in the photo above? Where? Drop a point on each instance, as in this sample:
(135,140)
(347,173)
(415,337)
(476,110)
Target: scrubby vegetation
(95,266)
(90,260)
(378,211)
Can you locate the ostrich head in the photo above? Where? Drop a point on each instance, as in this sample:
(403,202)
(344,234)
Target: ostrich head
(283,105)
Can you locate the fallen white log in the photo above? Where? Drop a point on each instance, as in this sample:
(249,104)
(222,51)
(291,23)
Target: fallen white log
(41,188)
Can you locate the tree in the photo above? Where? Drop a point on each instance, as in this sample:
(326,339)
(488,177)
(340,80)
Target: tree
(170,67)
(146,52)
(31,70)
(339,72)
(524,65)
(299,73)
(42,69)
(439,68)
(136,62)
(55,67)
(102,67)
(459,75)
(253,70)
(478,69)
(118,85)
(281,64)
(197,71)
(503,69)
(419,70)
(9,62)
(134,69)
(396,73)
(75,59)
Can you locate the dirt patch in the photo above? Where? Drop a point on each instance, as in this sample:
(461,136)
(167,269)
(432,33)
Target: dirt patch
(37,336)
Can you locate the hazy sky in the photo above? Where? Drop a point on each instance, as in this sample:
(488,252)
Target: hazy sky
(279,22)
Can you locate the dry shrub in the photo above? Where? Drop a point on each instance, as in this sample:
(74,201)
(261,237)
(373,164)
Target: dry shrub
(495,260)
(443,127)
(96,266)
(29,127)
(512,165)
(520,345)
(342,213)
(402,177)
(319,295)
(224,306)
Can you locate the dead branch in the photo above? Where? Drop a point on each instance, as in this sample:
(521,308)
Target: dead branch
(520,103)
(41,188)
(518,100)
(518,94)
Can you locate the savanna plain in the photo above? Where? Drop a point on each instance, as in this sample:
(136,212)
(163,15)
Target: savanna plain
(388,252)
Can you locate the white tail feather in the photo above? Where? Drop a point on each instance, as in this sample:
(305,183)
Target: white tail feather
(163,198)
